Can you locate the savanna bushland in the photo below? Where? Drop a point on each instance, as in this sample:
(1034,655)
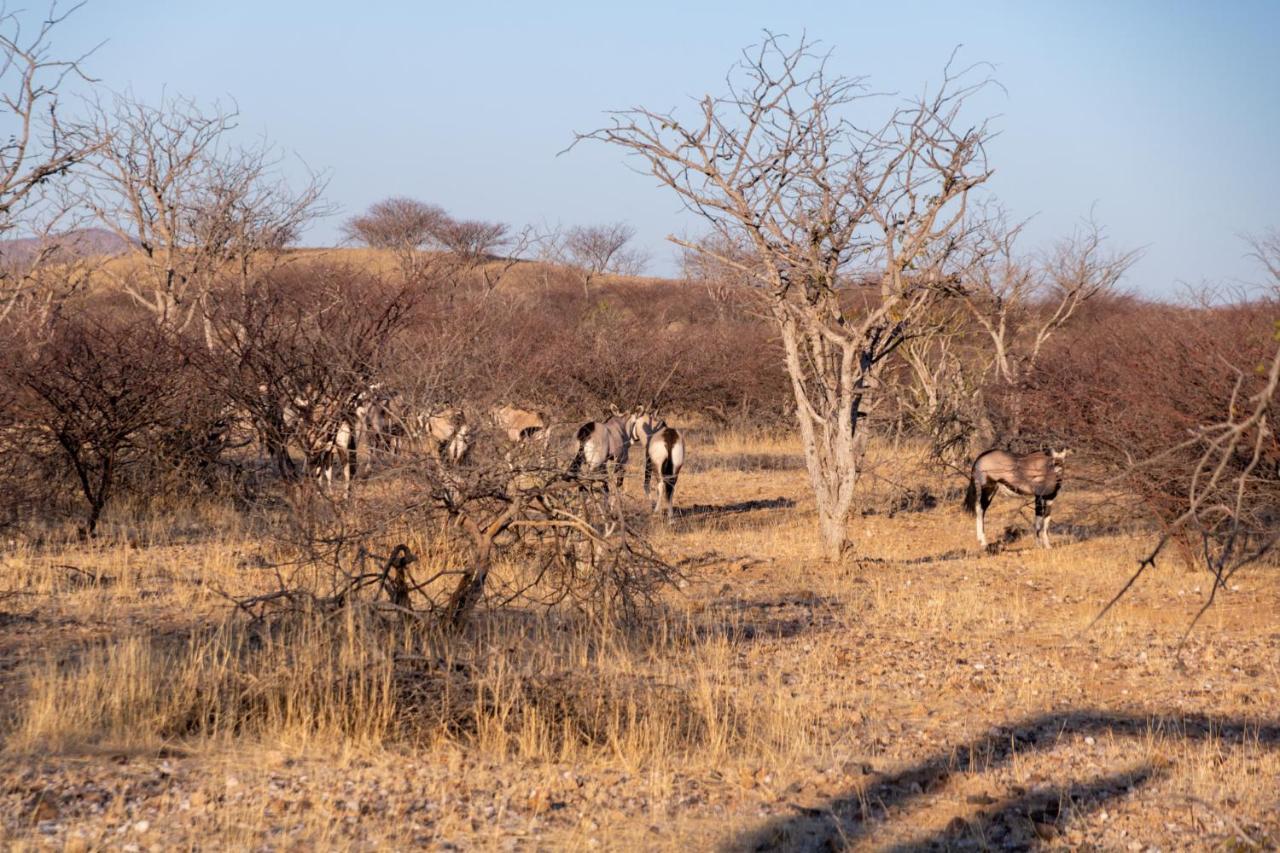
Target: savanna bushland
(208,639)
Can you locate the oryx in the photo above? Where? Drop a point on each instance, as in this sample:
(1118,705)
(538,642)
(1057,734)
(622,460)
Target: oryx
(1037,474)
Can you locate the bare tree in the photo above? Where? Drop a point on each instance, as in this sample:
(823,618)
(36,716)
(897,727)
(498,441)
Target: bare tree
(35,150)
(168,180)
(596,250)
(403,226)
(429,244)
(824,202)
(1020,303)
(471,240)
(487,248)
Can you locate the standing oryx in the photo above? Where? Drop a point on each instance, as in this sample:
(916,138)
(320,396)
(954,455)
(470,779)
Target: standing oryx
(604,444)
(330,433)
(447,433)
(663,453)
(1038,474)
(520,424)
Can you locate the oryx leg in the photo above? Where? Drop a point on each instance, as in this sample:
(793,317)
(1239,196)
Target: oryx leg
(1044,521)
(1041,535)
(986,493)
(669,486)
(648,473)
(618,471)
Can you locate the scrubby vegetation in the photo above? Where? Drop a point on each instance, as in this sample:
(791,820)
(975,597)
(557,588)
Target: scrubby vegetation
(275,571)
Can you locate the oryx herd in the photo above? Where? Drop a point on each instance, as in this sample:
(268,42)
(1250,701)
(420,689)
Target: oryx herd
(376,423)
(605,446)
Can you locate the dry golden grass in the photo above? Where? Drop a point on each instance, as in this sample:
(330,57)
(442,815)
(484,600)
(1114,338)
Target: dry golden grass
(918,694)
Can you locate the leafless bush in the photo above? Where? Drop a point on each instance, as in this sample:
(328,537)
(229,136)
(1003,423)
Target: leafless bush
(91,395)
(1140,379)
(1216,488)
(295,351)
(506,528)
(662,343)
(596,250)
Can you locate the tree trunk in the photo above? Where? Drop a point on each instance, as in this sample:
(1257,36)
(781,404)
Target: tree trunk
(827,434)
(833,525)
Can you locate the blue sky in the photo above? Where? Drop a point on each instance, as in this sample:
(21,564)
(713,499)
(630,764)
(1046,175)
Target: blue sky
(1164,118)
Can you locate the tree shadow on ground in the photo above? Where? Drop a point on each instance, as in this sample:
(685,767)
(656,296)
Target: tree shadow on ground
(944,557)
(779,617)
(714,511)
(747,462)
(1028,820)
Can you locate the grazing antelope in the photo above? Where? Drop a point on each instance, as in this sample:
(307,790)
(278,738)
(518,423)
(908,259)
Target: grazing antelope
(1037,474)
(663,453)
(604,444)
(520,424)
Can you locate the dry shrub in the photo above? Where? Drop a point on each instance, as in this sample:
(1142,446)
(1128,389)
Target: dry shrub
(312,339)
(627,343)
(88,398)
(1133,382)
(553,687)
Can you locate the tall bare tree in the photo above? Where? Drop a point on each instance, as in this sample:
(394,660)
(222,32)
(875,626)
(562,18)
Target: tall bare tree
(826,201)
(35,149)
(1021,302)
(169,180)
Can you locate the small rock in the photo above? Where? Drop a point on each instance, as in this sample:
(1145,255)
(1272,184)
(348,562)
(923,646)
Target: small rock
(44,809)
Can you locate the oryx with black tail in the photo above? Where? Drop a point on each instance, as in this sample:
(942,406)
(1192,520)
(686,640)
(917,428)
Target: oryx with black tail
(1038,475)
(663,453)
(604,445)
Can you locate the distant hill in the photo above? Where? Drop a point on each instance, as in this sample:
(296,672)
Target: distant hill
(80,243)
